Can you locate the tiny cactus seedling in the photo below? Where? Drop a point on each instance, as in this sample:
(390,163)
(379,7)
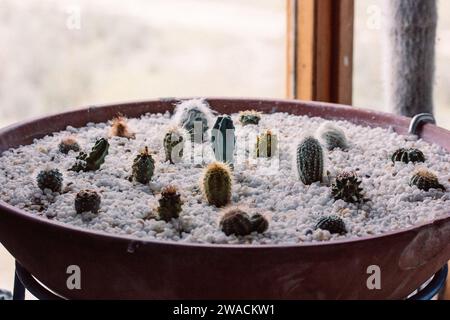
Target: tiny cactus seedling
(223,139)
(87,201)
(237,222)
(169,204)
(332,136)
(68,144)
(249,117)
(216,184)
(194,116)
(348,188)
(143,167)
(408,155)
(310,161)
(173,146)
(120,128)
(426,180)
(333,224)
(50,179)
(266,145)
(259,223)
(93,160)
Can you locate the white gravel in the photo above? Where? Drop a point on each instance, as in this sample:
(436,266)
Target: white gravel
(270,187)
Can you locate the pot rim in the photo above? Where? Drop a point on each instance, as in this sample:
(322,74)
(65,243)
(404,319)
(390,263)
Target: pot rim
(142,241)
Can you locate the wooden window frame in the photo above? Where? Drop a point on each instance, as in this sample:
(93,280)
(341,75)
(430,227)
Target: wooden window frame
(320,50)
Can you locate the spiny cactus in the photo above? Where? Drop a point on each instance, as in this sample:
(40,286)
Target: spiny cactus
(223,139)
(333,224)
(87,201)
(194,116)
(348,188)
(68,144)
(310,161)
(50,179)
(249,117)
(216,184)
(95,159)
(169,204)
(266,144)
(408,155)
(426,180)
(143,167)
(237,222)
(332,136)
(259,223)
(173,146)
(120,128)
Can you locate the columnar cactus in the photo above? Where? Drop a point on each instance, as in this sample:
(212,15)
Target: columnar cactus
(50,179)
(216,184)
(249,117)
(310,161)
(87,201)
(408,155)
(173,146)
(348,188)
(68,144)
(223,139)
(143,167)
(169,204)
(332,136)
(194,116)
(120,128)
(93,160)
(426,180)
(333,224)
(266,145)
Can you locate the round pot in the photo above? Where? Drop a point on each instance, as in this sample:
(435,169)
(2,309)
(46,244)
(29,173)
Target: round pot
(124,267)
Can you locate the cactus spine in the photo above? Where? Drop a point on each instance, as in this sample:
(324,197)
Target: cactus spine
(426,180)
(216,184)
(143,167)
(266,145)
(120,128)
(95,159)
(332,136)
(310,161)
(223,139)
(169,204)
(173,146)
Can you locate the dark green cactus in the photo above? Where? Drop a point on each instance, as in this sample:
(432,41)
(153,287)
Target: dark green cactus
(333,224)
(310,161)
(237,222)
(348,188)
(87,201)
(266,145)
(143,167)
(216,184)
(259,223)
(249,117)
(68,144)
(223,139)
(332,136)
(173,146)
(408,155)
(95,159)
(169,204)
(426,180)
(50,179)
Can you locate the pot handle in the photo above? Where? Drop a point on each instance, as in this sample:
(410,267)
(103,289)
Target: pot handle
(418,121)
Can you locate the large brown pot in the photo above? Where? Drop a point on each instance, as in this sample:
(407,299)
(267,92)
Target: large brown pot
(126,267)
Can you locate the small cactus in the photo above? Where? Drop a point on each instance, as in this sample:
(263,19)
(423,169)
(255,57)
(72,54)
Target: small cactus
(333,224)
(408,155)
(223,139)
(68,144)
(348,188)
(143,167)
(50,179)
(266,145)
(237,222)
(169,204)
(426,180)
(249,117)
(332,136)
(216,184)
(310,161)
(119,128)
(87,201)
(259,223)
(173,146)
(194,116)
(95,159)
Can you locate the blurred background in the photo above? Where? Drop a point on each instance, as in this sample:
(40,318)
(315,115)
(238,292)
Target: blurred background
(59,54)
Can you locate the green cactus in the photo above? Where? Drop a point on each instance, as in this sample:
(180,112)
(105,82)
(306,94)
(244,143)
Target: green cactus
(87,201)
(333,224)
(408,155)
(50,179)
(143,167)
(348,188)
(310,161)
(223,139)
(266,144)
(259,223)
(169,204)
(216,184)
(249,117)
(332,136)
(237,222)
(95,159)
(68,144)
(426,180)
(173,146)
